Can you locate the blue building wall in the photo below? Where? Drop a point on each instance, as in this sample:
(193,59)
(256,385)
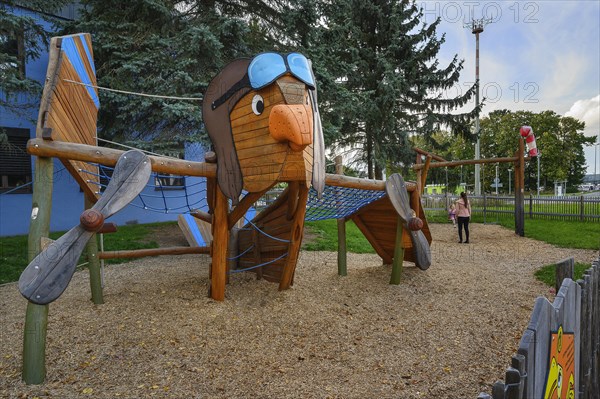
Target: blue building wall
(152,206)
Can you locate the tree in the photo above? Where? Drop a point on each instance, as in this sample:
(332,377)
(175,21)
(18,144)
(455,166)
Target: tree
(173,48)
(156,47)
(383,81)
(22,39)
(560,141)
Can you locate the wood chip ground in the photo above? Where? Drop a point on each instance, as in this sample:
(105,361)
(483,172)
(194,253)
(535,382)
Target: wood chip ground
(447,332)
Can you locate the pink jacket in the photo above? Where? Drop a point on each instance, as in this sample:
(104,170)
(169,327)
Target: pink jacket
(461,209)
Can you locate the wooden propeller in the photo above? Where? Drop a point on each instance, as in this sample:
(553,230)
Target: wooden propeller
(396,191)
(49,274)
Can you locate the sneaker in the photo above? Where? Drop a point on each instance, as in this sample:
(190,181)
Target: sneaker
(460,242)
(466,242)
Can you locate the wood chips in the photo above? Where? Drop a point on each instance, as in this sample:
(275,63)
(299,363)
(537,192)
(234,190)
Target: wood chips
(447,332)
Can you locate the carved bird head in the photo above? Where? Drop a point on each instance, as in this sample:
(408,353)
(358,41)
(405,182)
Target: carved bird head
(262,117)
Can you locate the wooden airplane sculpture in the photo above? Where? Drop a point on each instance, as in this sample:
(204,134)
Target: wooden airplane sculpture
(262,117)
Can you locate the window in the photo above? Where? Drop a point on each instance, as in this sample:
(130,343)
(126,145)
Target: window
(167,181)
(12,52)
(15,162)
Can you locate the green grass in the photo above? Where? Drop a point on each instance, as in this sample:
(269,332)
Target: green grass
(547,273)
(326,240)
(565,234)
(13,250)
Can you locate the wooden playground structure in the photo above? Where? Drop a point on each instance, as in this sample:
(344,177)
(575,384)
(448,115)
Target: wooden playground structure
(259,141)
(518,161)
(264,134)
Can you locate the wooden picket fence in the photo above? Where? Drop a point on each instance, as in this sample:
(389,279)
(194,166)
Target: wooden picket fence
(571,324)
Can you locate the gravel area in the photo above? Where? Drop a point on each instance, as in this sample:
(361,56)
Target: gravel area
(447,332)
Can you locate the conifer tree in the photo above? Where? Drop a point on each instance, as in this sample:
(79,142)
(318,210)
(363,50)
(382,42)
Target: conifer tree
(388,82)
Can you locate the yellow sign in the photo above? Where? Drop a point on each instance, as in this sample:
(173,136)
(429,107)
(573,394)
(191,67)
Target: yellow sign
(560,382)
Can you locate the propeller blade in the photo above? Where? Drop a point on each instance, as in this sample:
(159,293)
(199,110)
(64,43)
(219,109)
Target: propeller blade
(395,188)
(49,273)
(396,191)
(318,177)
(129,178)
(421,249)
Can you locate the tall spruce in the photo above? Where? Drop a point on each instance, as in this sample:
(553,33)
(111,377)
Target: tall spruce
(162,47)
(388,82)
(173,48)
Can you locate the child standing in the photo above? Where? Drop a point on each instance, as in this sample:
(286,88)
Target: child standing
(452,214)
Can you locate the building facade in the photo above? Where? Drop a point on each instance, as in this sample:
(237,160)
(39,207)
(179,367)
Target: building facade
(162,200)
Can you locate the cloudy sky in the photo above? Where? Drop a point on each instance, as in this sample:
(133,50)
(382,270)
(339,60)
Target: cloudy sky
(534,55)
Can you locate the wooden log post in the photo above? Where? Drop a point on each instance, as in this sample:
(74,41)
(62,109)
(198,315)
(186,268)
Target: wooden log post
(220,245)
(341,228)
(520,190)
(563,269)
(424,172)
(297,232)
(398,255)
(418,165)
(36,319)
(91,250)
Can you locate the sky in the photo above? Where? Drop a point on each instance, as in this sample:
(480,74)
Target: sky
(534,55)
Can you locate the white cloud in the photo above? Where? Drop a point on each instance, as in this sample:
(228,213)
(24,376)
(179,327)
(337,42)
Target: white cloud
(588,111)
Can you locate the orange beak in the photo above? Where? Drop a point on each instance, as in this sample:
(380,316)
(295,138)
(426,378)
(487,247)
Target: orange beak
(292,123)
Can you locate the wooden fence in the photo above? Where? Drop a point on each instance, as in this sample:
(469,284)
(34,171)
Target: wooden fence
(580,208)
(559,352)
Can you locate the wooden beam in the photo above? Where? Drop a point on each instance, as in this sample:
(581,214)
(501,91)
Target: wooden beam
(141,253)
(362,184)
(341,228)
(198,214)
(242,207)
(36,318)
(109,156)
(424,172)
(451,164)
(297,233)
(398,255)
(426,153)
(219,246)
(94,263)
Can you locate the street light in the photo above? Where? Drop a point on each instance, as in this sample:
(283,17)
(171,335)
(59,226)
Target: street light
(476,26)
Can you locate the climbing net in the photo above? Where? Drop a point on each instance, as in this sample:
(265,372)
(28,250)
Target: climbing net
(338,202)
(189,194)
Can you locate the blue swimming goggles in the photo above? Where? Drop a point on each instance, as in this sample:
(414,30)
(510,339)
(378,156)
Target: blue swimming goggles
(265,68)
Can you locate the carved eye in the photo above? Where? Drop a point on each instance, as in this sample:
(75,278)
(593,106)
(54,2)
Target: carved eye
(258,104)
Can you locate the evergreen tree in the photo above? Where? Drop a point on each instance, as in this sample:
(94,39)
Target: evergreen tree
(384,81)
(163,47)
(172,48)
(22,39)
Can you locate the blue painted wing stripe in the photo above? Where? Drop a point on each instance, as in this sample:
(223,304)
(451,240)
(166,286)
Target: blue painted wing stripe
(70,49)
(191,222)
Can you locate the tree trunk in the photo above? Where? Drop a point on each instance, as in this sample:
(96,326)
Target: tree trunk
(369,154)
(378,172)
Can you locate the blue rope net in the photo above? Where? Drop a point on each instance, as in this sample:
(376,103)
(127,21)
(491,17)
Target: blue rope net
(163,193)
(338,202)
(189,193)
